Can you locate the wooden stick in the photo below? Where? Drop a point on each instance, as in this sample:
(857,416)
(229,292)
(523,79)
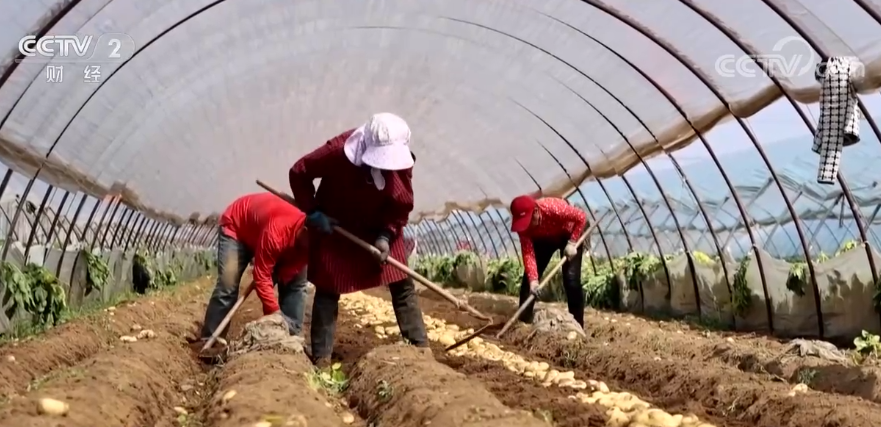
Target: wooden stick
(395,263)
(541,285)
(228,317)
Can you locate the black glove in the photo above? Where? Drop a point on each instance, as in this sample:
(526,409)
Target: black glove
(319,221)
(383,246)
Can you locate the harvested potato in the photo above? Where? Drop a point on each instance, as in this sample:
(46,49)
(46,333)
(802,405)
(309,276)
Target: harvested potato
(146,333)
(127,338)
(47,406)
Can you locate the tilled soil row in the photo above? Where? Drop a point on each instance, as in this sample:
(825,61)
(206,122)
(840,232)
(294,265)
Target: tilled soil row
(402,386)
(24,362)
(753,353)
(128,384)
(551,404)
(271,389)
(717,392)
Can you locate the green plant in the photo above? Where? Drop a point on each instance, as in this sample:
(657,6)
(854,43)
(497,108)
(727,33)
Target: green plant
(504,275)
(34,290)
(332,379)
(207,259)
(384,391)
(638,267)
(798,278)
(704,259)
(97,272)
(867,344)
(742,295)
(164,278)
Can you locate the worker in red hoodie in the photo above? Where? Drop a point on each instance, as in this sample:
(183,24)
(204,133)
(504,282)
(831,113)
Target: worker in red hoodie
(269,231)
(545,226)
(366,185)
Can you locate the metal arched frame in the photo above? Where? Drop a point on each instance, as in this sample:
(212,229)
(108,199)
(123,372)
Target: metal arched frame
(660,43)
(510,235)
(466,230)
(439,237)
(857,213)
(495,250)
(58,214)
(70,230)
(36,225)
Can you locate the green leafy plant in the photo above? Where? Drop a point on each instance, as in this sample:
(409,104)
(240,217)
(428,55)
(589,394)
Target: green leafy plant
(798,278)
(703,259)
(638,267)
(332,379)
(742,295)
(867,344)
(207,259)
(34,290)
(97,272)
(504,275)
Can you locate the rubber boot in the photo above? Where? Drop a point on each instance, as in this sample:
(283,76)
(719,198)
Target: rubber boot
(405,302)
(325,308)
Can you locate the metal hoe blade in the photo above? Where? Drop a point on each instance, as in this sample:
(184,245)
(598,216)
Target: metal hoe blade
(470,337)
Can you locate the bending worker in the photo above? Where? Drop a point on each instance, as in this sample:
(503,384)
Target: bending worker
(269,231)
(545,226)
(366,185)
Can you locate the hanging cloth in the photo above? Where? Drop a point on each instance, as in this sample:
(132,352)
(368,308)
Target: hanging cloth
(839,124)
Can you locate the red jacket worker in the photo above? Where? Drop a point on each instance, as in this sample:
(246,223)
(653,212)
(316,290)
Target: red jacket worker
(366,185)
(545,226)
(270,231)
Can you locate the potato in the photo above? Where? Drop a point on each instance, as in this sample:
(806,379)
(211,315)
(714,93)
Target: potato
(126,338)
(227,397)
(552,374)
(146,333)
(47,406)
(606,401)
(447,340)
(578,385)
(659,418)
(565,382)
(617,418)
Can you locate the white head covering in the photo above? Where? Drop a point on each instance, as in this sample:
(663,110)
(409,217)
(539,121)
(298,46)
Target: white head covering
(383,143)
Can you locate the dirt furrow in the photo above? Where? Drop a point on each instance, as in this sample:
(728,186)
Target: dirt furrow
(400,385)
(24,362)
(792,361)
(715,391)
(128,384)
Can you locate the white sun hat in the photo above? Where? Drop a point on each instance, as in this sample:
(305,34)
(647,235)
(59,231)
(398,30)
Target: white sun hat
(383,143)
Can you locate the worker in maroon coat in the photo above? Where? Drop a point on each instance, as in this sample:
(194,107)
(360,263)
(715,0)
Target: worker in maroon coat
(269,231)
(366,188)
(546,226)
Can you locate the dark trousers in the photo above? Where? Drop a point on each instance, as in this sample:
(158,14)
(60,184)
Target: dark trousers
(544,250)
(232,259)
(405,301)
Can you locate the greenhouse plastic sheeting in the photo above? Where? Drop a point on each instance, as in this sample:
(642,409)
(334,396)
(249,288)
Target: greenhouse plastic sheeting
(238,90)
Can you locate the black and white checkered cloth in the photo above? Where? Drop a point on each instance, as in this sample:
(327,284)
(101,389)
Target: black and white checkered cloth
(839,124)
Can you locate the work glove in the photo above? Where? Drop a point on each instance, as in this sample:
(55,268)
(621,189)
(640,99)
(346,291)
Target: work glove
(382,244)
(570,251)
(319,221)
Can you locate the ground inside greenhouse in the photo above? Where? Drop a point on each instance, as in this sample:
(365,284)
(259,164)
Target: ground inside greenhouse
(725,379)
